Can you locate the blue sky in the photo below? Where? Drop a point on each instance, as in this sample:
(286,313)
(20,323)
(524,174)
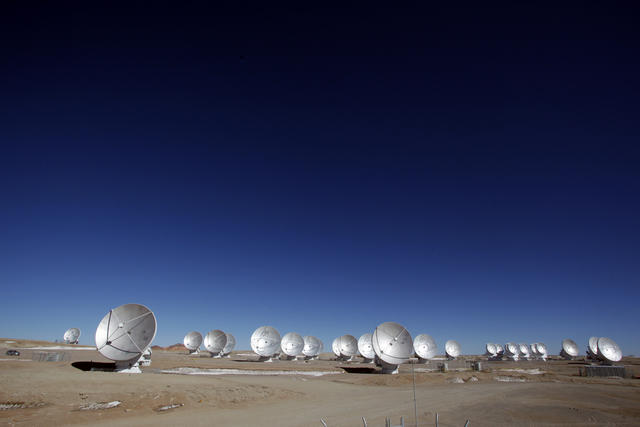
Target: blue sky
(475,178)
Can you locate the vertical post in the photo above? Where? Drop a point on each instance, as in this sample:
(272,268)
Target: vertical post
(436,419)
(415,404)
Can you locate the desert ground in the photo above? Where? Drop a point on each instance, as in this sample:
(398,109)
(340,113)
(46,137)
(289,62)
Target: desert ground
(240,391)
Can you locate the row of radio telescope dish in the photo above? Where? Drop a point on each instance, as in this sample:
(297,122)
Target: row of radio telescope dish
(267,344)
(125,333)
(515,351)
(599,349)
(603,350)
(389,346)
(217,343)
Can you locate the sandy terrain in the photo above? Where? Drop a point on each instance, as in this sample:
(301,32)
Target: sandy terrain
(526,393)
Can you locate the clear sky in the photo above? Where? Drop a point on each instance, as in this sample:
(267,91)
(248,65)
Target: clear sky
(473,174)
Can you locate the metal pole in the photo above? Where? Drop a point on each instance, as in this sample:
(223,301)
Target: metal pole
(436,419)
(415,405)
(323,423)
(364,421)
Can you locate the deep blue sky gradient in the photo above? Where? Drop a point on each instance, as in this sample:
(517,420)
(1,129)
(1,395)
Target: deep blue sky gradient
(470,173)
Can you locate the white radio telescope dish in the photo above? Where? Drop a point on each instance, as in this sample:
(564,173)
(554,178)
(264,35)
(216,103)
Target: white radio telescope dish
(569,349)
(365,347)
(541,348)
(335,347)
(192,341)
(215,341)
(265,341)
(230,345)
(608,350)
(452,349)
(491,350)
(348,346)
(312,346)
(124,333)
(393,345)
(524,351)
(534,349)
(292,344)
(72,336)
(593,347)
(425,346)
(512,350)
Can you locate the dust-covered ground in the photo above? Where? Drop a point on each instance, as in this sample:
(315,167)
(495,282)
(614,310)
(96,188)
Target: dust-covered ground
(297,393)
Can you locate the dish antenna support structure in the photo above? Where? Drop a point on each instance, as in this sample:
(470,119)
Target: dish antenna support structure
(72,336)
(145,360)
(124,334)
(393,346)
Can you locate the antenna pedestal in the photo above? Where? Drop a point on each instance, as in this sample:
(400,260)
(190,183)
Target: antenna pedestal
(388,368)
(128,366)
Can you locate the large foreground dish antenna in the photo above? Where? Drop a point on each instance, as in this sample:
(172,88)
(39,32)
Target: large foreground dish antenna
(348,346)
(569,349)
(365,347)
(124,333)
(230,345)
(192,341)
(608,350)
(72,336)
(292,344)
(265,341)
(215,341)
(393,345)
(312,346)
(425,346)
(452,349)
